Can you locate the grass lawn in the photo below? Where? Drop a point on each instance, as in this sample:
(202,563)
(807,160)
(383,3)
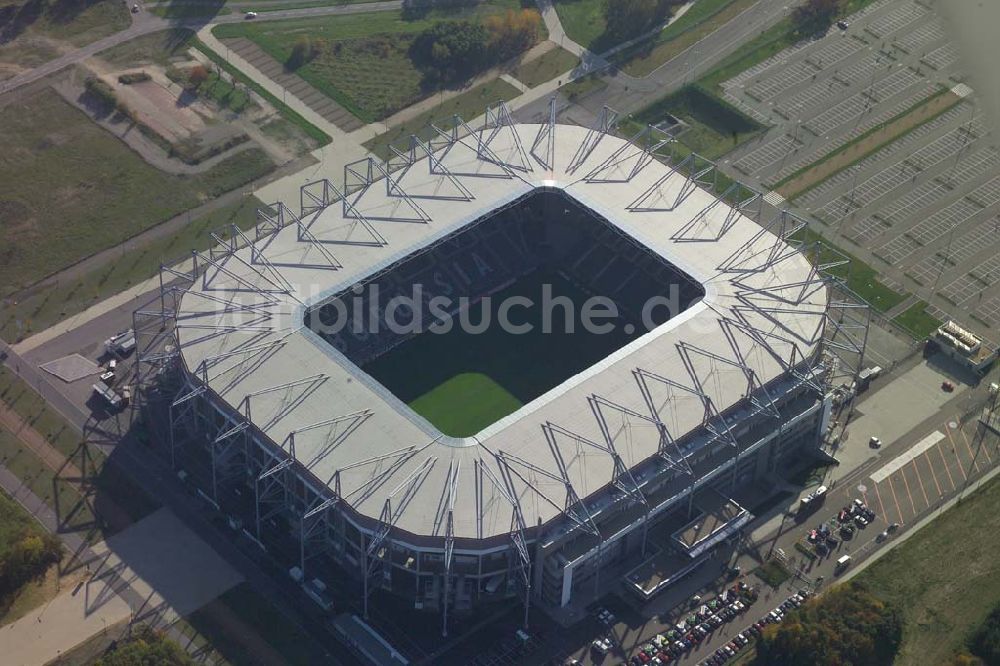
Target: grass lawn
(29,24)
(545,67)
(465,404)
(773,573)
(714,127)
(857,149)
(363,61)
(491,373)
(470,104)
(583,22)
(944,579)
(225,94)
(703,18)
(916,320)
(46,306)
(183,10)
(69,189)
(73,511)
(583,86)
(862,279)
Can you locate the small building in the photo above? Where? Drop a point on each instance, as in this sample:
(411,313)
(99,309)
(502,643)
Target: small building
(964,347)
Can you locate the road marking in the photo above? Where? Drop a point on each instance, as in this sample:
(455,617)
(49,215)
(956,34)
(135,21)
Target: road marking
(881,506)
(974,456)
(927,457)
(921,481)
(895,499)
(945,465)
(982,448)
(909,494)
(908,455)
(961,467)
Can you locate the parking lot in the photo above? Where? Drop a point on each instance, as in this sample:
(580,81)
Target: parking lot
(923,209)
(937,466)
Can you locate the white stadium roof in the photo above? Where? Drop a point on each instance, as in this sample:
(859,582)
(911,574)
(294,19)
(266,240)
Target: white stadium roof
(241,328)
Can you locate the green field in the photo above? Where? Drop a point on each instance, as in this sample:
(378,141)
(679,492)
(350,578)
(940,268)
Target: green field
(26,26)
(945,579)
(917,321)
(69,189)
(546,67)
(861,278)
(461,405)
(714,127)
(469,105)
(362,61)
(583,21)
(463,382)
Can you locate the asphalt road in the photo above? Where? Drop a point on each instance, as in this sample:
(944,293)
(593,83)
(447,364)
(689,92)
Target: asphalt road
(627,94)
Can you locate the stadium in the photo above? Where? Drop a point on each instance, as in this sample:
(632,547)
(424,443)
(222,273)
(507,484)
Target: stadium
(456,469)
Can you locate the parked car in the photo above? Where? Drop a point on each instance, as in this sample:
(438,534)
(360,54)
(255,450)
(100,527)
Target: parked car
(843,25)
(602,645)
(893,527)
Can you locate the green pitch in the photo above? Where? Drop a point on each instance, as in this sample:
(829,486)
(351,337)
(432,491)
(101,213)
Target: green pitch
(463,382)
(465,404)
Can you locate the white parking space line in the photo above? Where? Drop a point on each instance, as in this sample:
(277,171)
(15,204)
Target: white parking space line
(926,443)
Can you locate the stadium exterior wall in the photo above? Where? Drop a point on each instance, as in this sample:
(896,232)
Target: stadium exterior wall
(412,568)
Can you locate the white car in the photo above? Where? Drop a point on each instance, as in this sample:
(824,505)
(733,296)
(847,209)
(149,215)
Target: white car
(250,15)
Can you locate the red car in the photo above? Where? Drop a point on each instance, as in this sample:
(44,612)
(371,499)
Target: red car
(947,387)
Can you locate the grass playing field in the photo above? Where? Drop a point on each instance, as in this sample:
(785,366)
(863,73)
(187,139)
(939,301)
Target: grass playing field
(462,382)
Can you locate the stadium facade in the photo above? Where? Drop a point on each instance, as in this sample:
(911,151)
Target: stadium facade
(277,427)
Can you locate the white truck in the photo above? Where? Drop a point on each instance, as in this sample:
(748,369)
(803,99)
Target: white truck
(813,499)
(114,399)
(120,344)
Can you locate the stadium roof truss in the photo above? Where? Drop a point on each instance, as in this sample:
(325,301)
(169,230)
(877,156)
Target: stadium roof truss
(233,317)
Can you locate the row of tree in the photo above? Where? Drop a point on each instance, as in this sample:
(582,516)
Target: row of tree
(846,625)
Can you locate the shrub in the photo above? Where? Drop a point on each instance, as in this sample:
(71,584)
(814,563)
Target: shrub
(26,559)
(512,33)
(815,15)
(985,641)
(145,646)
(303,50)
(197,75)
(133,77)
(101,91)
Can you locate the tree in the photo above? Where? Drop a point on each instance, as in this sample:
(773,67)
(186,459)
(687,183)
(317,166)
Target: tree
(629,18)
(847,625)
(452,50)
(512,33)
(197,75)
(303,50)
(985,641)
(814,16)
